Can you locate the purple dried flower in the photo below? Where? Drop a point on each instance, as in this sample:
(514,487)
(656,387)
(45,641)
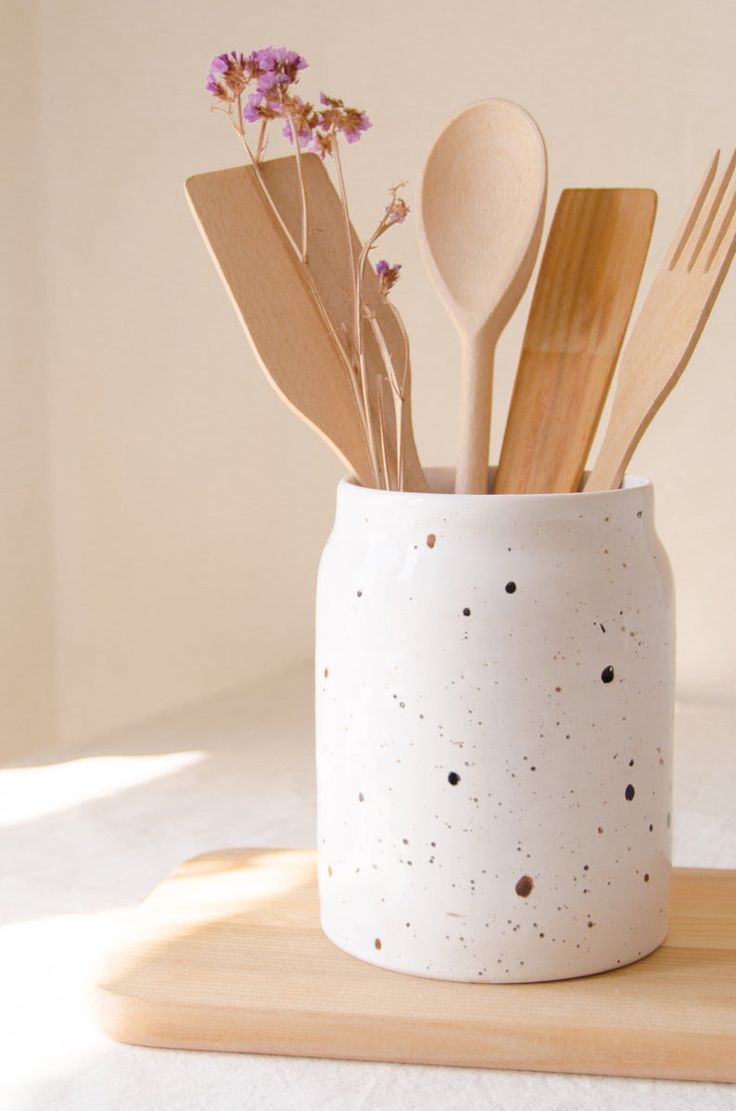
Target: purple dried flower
(251,111)
(336,116)
(321,143)
(388,276)
(284,63)
(258,108)
(228,76)
(355,126)
(270,79)
(273,69)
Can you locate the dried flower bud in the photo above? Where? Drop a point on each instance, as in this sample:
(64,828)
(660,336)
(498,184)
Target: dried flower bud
(322,143)
(335,116)
(229,75)
(397,210)
(300,116)
(388,276)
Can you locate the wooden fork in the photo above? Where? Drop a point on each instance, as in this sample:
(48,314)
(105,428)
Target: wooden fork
(671,320)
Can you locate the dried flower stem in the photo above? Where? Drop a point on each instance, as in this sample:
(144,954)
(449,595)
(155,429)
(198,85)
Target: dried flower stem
(386,473)
(363,412)
(383,224)
(398,389)
(346,215)
(260,149)
(302,189)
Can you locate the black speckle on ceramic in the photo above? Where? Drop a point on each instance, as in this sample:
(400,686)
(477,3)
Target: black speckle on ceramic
(608,674)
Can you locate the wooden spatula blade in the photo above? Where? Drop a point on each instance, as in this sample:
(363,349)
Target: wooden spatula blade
(273,299)
(585,292)
(263,278)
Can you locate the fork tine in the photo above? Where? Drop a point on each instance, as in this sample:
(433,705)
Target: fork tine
(685,229)
(708,218)
(724,228)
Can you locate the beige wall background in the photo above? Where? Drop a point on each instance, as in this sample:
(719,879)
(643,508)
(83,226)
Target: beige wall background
(161,512)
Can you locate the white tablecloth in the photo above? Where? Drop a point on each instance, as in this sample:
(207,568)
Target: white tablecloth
(86,834)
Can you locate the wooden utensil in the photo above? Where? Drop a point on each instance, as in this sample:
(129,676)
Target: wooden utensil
(671,321)
(273,296)
(482,210)
(585,292)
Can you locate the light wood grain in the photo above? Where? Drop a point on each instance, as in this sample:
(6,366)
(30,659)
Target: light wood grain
(482,210)
(671,320)
(583,298)
(277,308)
(228,954)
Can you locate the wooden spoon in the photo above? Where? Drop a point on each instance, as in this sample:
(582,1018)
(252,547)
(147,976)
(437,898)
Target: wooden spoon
(585,292)
(273,296)
(482,209)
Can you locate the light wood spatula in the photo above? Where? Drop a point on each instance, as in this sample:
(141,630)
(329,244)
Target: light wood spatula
(671,321)
(584,295)
(274,300)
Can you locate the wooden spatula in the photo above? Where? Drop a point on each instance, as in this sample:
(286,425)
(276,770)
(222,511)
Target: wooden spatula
(276,306)
(671,320)
(585,291)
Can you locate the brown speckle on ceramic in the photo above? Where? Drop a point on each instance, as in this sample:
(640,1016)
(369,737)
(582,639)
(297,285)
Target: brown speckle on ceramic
(524,886)
(431,540)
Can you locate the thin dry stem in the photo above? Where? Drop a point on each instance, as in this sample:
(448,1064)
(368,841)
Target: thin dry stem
(261,147)
(397,391)
(302,188)
(386,473)
(346,218)
(358,379)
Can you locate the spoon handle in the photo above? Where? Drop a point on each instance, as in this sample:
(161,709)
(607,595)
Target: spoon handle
(475,414)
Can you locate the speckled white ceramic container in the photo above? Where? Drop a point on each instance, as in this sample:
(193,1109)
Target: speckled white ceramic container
(495,692)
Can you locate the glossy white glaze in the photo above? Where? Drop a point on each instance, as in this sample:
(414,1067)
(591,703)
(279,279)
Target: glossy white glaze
(495,692)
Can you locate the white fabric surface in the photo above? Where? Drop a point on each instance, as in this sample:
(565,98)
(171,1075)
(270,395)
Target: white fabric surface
(86,834)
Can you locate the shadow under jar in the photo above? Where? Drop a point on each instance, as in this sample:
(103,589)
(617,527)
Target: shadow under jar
(495,696)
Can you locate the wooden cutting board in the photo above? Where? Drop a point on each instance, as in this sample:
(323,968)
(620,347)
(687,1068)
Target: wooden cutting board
(228,954)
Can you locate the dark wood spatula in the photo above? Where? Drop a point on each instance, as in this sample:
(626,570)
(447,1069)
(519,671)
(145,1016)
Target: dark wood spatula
(584,295)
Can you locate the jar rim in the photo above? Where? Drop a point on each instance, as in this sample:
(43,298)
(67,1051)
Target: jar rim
(441,480)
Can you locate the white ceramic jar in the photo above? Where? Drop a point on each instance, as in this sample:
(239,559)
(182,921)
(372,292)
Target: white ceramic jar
(495,693)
